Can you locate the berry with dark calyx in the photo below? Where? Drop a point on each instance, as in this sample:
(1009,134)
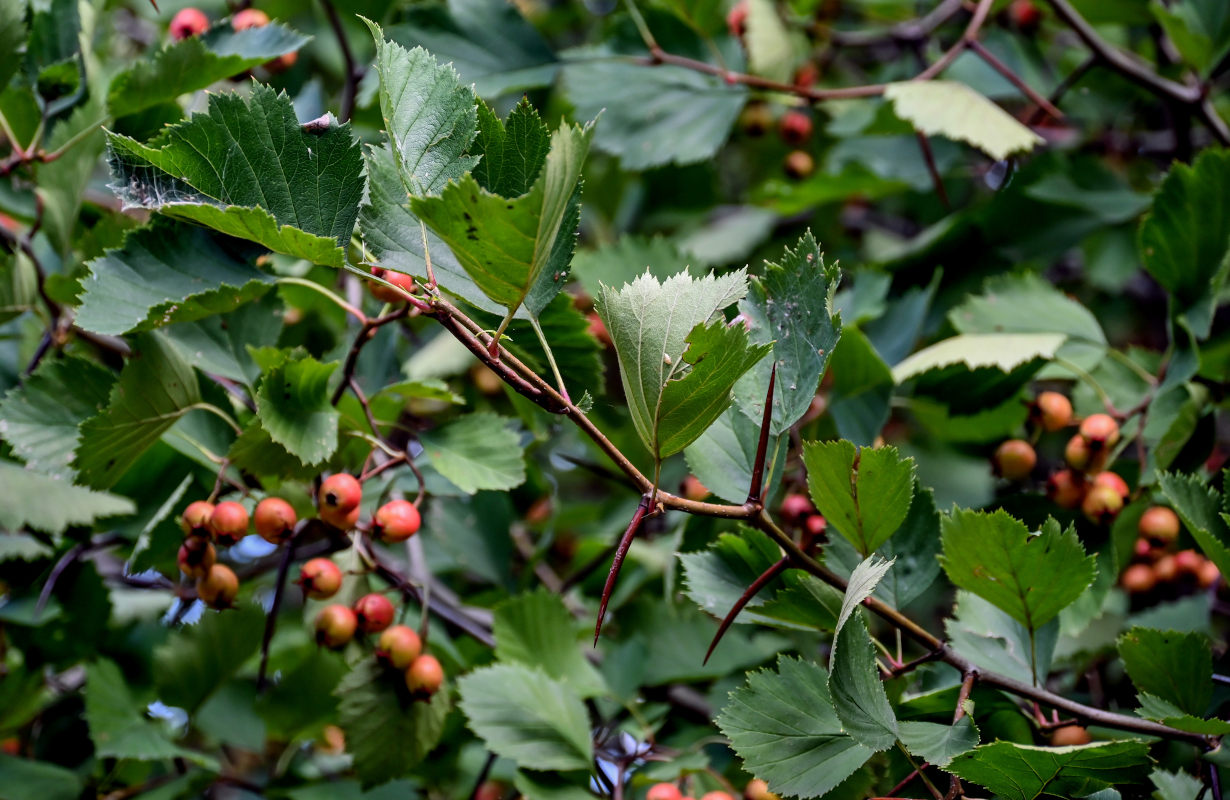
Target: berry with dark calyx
(1159,524)
(249,18)
(399,646)
(1070,736)
(1076,454)
(1188,562)
(1052,411)
(716,796)
(396,521)
(399,279)
(320,578)
(1166,570)
(664,791)
(282,62)
(756,119)
(795,507)
(1100,430)
(815,525)
(1025,15)
(795,128)
(188,22)
(736,18)
(807,75)
(1144,549)
(219,588)
(374,612)
(799,164)
(1066,488)
(1138,579)
(1015,459)
(196,516)
(693,489)
(196,556)
(1209,575)
(335,626)
(489,790)
(339,498)
(1115,482)
(1101,503)
(757,789)
(274,520)
(424,676)
(228,523)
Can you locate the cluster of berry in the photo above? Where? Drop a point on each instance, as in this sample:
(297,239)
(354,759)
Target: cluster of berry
(756,789)
(193,22)
(1155,566)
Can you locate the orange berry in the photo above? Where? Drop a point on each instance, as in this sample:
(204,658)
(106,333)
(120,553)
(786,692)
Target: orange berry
(196,556)
(196,516)
(1159,524)
(374,612)
(664,791)
(399,279)
(228,523)
(1138,579)
(424,676)
(799,164)
(1115,482)
(693,489)
(1100,430)
(1101,503)
(1188,562)
(188,22)
(757,789)
(1165,570)
(339,498)
(396,521)
(335,626)
(1066,488)
(1015,459)
(1209,575)
(1070,736)
(1052,411)
(320,578)
(249,18)
(274,520)
(399,646)
(795,128)
(219,587)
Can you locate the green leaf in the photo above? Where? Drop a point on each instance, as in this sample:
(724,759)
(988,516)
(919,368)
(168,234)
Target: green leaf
(1002,351)
(26,779)
(117,726)
(429,116)
(954,110)
(723,456)
(195,661)
(248,169)
(768,42)
(488,42)
(46,504)
(854,680)
(650,324)
(1185,239)
(387,732)
(40,418)
(197,62)
(523,715)
(169,272)
(1167,713)
(939,744)
(292,403)
(537,630)
(790,306)
(1023,772)
(783,725)
(517,250)
(995,641)
(718,355)
(862,388)
(512,152)
(1175,785)
(624,260)
(1196,505)
(1176,667)
(654,115)
(864,493)
(1031,577)
(155,388)
(1199,29)
(477,451)
(12,37)
(22,547)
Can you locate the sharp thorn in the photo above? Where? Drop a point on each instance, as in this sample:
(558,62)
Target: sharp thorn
(745,598)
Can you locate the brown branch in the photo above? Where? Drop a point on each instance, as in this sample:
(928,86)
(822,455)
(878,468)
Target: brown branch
(354,70)
(271,620)
(929,159)
(1016,80)
(914,30)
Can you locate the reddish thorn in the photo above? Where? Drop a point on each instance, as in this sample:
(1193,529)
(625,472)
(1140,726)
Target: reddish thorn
(755,490)
(625,543)
(745,598)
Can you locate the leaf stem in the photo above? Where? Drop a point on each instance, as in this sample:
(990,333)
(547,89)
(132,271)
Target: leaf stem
(546,346)
(333,296)
(220,414)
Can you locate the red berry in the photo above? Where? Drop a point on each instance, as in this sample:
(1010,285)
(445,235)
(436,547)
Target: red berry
(219,587)
(282,62)
(795,507)
(396,521)
(1138,579)
(816,525)
(736,18)
(1188,562)
(1015,459)
(1100,430)
(196,516)
(424,676)
(1144,549)
(1209,574)
(399,646)
(320,578)
(374,612)
(1115,482)
(1066,488)
(1159,524)
(196,556)
(1025,15)
(795,128)
(249,18)
(340,495)
(1070,736)
(757,789)
(188,22)
(1052,411)
(799,164)
(228,523)
(274,520)
(399,279)
(489,790)
(335,626)
(693,489)
(664,791)
(807,75)
(597,328)
(716,796)
(1101,503)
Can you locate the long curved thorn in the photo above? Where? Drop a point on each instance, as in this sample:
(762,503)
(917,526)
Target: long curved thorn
(625,543)
(755,490)
(745,598)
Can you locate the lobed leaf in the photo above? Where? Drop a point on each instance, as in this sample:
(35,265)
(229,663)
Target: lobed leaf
(864,493)
(1023,772)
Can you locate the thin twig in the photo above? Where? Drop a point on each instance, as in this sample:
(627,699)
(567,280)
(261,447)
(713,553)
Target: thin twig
(271,620)
(354,70)
(929,159)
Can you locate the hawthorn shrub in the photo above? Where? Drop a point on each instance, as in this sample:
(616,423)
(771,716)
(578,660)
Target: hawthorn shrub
(468,400)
